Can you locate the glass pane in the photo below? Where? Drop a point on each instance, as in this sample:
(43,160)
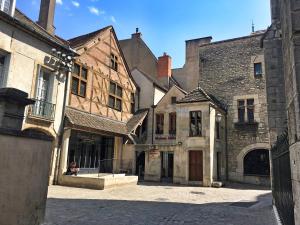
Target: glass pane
(241,115)
(84,73)
(76,69)
(257,69)
(119,91)
(241,103)
(111,101)
(6,6)
(112,88)
(82,88)
(119,104)
(250,116)
(250,102)
(75,83)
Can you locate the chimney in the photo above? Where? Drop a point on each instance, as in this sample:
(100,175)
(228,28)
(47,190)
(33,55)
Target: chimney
(164,66)
(137,34)
(46,18)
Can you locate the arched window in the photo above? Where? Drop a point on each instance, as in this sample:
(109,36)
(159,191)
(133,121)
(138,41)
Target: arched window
(257,163)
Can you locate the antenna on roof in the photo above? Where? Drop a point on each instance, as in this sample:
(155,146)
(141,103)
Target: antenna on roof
(136,30)
(253,27)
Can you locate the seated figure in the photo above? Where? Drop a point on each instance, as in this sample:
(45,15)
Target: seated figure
(72,169)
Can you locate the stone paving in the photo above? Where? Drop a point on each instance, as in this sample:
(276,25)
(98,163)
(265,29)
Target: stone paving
(157,204)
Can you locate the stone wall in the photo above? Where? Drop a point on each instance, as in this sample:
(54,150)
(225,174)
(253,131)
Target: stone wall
(227,71)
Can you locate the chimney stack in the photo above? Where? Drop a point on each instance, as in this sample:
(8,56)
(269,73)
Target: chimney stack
(164,66)
(46,18)
(137,34)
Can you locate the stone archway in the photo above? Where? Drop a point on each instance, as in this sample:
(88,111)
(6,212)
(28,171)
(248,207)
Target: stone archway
(245,151)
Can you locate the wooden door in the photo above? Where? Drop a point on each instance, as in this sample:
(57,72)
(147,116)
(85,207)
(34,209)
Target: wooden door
(196,166)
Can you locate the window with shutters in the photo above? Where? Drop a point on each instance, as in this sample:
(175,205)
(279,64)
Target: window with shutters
(115,96)
(79,80)
(159,123)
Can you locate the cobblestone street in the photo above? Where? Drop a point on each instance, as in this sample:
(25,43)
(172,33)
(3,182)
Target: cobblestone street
(155,204)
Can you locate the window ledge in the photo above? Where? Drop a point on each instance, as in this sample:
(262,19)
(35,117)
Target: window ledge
(246,125)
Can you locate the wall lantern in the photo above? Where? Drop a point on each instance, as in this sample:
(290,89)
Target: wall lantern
(218,117)
(179,143)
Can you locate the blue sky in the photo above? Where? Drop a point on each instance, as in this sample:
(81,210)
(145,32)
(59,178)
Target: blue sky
(165,24)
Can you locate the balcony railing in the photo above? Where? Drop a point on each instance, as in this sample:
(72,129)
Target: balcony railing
(42,109)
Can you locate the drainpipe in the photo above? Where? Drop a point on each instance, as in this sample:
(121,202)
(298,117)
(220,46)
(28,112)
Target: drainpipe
(152,125)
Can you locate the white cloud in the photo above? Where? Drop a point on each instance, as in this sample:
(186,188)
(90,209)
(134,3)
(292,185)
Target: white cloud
(113,19)
(95,10)
(76,4)
(60,2)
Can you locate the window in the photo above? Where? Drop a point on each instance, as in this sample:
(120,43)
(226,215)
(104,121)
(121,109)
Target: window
(250,110)
(172,123)
(173,100)
(257,162)
(218,131)
(79,80)
(242,111)
(115,96)
(5,5)
(195,123)
(159,123)
(257,69)
(2,69)
(132,99)
(114,62)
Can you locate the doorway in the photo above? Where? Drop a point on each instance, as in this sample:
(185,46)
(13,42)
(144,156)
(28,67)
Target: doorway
(195,166)
(167,164)
(140,165)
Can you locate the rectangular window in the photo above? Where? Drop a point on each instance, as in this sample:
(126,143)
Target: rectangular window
(195,123)
(241,111)
(257,69)
(115,96)
(5,5)
(250,110)
(114,62)
(2,69)
(172,123)
(79,80)
(218,130)
(132,100)
(173,100)
(159,123)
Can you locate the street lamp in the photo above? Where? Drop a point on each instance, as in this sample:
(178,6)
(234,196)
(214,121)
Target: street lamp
(218,117)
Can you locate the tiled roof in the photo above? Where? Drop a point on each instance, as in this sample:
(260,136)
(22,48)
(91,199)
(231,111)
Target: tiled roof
(22,20)
(81,119)
(80,40)
(199,95)
(136,119)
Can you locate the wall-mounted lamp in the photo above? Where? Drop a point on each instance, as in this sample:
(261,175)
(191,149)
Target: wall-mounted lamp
(218,117)
(179,143)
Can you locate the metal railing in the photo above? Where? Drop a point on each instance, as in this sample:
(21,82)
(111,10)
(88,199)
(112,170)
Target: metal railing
(42,109)
(282,181)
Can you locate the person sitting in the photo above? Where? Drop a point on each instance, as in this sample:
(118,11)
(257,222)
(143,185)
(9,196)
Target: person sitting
(72,169)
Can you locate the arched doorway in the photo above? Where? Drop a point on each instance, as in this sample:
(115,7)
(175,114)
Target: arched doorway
(257,163)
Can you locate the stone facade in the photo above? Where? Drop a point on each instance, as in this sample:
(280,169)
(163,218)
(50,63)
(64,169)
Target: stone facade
(286,24)
(227,70)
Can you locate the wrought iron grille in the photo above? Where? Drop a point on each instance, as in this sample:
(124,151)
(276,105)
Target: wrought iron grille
(42,109)
(282,182)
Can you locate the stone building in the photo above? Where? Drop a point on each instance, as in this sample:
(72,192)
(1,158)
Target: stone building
(100,113)
(234,72)
(28,63)
(281,44)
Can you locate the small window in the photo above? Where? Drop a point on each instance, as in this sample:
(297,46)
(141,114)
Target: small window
(173,100)
(2,68)
(257,69)
(79,80)
(114,62)
(115,96)
(218,131)
(5,5)
(159,123)
(132,101)
(241,111)
(172,123)
(195,123)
